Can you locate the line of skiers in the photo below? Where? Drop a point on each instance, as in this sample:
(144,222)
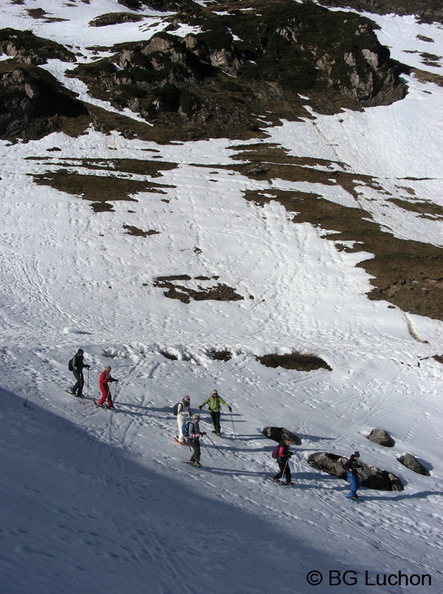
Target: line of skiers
(76,365)
(189,433)
(188,424)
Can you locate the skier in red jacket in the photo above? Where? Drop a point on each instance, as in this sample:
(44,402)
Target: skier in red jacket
(282,455)
(103,383)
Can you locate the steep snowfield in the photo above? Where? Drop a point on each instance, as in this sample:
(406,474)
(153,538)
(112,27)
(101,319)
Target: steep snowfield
(100,502)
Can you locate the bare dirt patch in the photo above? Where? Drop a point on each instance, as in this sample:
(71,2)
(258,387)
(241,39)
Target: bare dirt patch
(297,361)
(131,230)
(220,355)
(408,274)
(94,188)
(218,292)
(102,190)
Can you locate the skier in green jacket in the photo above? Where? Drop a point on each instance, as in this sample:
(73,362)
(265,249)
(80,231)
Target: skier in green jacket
(214,403)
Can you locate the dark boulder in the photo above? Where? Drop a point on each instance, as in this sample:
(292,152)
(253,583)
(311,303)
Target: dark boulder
(281,434)
(381,437)
(370,476)
(413,464)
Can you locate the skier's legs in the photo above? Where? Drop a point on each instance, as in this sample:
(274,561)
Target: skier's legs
(195,445)
(287,472)
(78,386)
(182,417)
(215,416)
(105,393)
(354,484)
(282,468)
(180,437)
(109,402)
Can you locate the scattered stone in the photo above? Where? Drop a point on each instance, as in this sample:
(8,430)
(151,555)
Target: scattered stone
(381,437)
(413,464)
(281,434)
(370,476)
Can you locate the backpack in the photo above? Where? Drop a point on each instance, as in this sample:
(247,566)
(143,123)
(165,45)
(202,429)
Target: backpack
(275,452)
(71,364)
(175,408)
(185,428)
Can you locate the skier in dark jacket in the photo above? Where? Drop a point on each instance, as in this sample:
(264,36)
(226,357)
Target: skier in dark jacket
(77,369)
(214,403)
(194,440)
(283,455)
(351,466)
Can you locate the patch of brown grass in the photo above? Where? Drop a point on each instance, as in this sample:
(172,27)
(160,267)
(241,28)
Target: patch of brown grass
(96,189)
(174,290)
(297,361)
(407,273)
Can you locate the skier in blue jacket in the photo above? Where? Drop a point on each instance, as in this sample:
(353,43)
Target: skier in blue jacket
(351,466)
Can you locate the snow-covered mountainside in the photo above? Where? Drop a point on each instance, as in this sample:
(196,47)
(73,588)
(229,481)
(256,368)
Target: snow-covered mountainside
(181,265)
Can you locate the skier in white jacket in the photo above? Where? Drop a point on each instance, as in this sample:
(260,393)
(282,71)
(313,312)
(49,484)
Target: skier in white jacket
(183,414)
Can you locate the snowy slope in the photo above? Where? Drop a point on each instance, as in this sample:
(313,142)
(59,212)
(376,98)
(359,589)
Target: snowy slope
(99,502)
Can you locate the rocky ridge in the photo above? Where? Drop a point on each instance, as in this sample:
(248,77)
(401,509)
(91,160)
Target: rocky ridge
(272,60)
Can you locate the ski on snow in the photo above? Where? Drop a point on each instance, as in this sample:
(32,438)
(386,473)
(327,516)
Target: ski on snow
(277,482)
(104,406)
(192,464)
(179,442)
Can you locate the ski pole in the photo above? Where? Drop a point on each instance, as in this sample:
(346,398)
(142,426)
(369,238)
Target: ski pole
(87,388)
(284,469)
(209,452)
(215,445)
(115,391)
(233,428)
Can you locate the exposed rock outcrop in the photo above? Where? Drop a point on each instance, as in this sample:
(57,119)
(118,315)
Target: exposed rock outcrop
(370,476)
(272,60)
(427,10)
(33,102)
(243,63)
(160,5)
(27,48)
